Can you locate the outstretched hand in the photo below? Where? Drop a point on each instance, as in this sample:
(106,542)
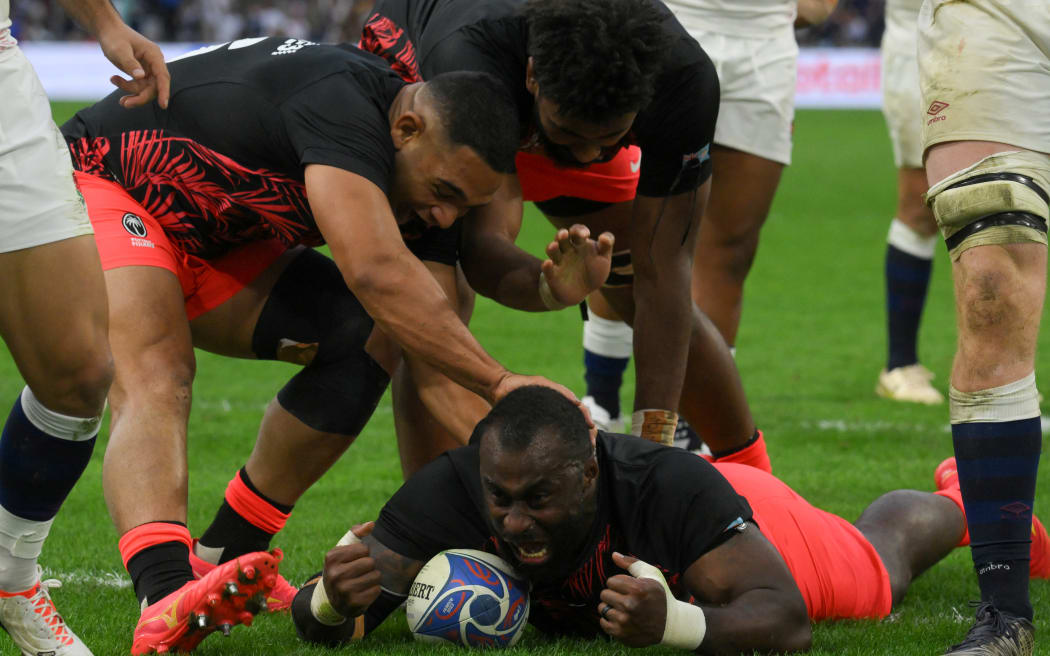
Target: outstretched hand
(351,579)
(578,265)
(633,610)
(140,58)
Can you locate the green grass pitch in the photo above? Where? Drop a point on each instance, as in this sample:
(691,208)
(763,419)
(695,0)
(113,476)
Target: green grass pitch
(811,344)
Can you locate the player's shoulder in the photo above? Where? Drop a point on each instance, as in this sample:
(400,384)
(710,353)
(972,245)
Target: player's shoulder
(642,463)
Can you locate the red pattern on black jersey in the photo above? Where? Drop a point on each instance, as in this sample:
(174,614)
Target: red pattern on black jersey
(381,36)
(206,202)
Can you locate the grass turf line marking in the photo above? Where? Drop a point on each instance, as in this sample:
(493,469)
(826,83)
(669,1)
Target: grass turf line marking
(90,577)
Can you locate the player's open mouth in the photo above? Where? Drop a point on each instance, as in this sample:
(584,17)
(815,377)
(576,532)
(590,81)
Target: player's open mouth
(531,553)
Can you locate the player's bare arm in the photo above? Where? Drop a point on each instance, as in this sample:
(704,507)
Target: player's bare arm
(662,241)
(749,602)
(127,49)
(496,268)
(395,288)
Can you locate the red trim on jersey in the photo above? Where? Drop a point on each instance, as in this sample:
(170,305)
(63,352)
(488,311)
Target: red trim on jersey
(614,181)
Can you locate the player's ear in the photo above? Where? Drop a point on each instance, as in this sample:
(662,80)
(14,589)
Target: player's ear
(406,127)
(590,470)
(530,80)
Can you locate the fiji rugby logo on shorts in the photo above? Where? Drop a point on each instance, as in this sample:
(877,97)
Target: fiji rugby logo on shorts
(134,225)
(137,229)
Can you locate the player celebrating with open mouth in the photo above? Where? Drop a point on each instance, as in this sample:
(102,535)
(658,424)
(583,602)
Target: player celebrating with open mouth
(646,544)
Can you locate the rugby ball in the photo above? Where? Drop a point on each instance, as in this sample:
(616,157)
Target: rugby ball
(470,598)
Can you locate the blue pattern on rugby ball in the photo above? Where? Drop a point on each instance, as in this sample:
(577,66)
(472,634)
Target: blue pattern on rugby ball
(470,598)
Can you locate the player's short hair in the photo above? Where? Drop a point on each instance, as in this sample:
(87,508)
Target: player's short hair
(596,59)
(521,416)
(479,112)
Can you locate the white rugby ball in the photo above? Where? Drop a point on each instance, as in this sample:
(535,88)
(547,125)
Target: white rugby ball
(470,598)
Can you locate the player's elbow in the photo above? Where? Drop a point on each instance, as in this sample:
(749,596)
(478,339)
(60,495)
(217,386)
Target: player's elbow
(796,632)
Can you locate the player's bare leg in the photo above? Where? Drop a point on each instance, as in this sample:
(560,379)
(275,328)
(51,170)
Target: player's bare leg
(999,292)
(909,261)
(725,249)
(713,398)
(426,429)
(911,531)
(53,317)
(144,472)
(300,311)
(423,435)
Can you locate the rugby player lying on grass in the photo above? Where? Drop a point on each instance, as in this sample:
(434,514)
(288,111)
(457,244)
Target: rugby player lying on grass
(201,212)
(748,560)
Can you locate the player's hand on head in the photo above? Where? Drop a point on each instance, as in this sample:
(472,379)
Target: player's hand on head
(140,58)
(578,265)
(351,579)
(633,610)
(511,381)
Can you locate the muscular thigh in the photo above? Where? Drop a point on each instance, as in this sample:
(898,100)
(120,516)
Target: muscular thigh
(53,307)
(149,333)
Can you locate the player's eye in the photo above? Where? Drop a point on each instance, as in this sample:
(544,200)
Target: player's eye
(539,500)
(442,193)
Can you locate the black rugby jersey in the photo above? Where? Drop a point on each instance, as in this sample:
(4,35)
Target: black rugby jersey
(665,506)
(224,164)
(422,38)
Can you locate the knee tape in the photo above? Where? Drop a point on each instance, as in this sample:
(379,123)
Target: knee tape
(1002,199)
(312,318)
(1011,402)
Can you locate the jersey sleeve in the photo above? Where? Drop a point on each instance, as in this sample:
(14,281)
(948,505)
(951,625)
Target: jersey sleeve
(676,130)
(700,509)
(432,511)
(331,122)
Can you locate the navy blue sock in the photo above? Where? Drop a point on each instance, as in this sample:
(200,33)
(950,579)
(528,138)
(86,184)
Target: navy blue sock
(37,470)
(604,375)
(997,465)
(907,278)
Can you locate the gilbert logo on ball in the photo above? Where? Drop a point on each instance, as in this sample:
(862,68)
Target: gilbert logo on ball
(468,597)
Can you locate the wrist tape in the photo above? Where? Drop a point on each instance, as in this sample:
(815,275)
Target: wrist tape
(685,625)
(655,425)
(547,296)
(320,607)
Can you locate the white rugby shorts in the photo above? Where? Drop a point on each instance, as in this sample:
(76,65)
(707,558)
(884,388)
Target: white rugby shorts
(39,202)
(757,77)
(985,72)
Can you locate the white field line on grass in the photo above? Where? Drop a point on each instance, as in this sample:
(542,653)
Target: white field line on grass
(847,426)
(89,577)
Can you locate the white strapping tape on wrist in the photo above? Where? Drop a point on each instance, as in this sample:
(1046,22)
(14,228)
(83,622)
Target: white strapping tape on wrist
(320,607)
(685,625)
(547,296)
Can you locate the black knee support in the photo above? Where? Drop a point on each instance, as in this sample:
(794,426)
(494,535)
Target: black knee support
(340,386)
(1019,218)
